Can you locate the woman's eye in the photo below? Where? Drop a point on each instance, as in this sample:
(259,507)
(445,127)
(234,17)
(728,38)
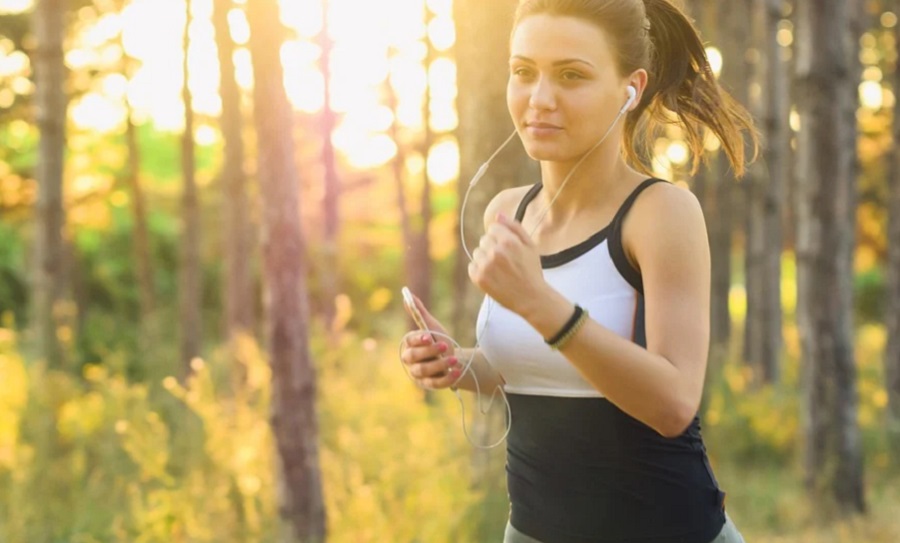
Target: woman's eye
(521,72)
(571,76)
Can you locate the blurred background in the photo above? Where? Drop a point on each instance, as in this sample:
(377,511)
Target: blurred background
(208,209)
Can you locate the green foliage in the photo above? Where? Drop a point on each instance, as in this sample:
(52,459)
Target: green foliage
(870,291)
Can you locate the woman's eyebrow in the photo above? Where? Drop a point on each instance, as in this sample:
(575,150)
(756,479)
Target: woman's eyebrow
(557,63)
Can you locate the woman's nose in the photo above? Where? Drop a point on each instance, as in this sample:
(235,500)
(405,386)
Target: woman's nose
(543,95)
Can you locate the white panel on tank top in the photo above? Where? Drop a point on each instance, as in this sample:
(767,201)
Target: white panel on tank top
(520,354)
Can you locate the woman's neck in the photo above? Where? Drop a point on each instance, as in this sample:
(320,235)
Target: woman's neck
(592,185)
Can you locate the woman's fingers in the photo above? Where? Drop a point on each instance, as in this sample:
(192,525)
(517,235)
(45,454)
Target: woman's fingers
(433,369)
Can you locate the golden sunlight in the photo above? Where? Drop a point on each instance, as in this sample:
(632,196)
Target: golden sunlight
(373,44)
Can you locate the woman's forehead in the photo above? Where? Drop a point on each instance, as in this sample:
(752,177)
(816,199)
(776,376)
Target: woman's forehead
(551,39)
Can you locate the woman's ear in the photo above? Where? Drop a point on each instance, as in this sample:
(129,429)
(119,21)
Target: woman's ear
(638,80)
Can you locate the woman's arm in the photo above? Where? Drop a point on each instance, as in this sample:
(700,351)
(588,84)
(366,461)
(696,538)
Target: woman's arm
(662,384)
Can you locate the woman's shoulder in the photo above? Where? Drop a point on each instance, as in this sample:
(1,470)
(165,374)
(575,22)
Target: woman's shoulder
(664,214)
(506,201)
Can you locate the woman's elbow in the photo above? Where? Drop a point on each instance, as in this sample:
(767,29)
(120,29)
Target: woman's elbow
(677,419)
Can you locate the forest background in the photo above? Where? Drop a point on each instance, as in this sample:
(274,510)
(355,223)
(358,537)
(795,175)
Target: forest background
(199,283)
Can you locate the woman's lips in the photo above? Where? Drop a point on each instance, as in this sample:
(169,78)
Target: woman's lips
(539,129)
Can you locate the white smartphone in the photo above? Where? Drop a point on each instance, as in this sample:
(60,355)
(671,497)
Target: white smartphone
(413,310)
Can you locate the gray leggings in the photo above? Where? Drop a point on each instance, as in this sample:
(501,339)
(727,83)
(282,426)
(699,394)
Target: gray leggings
(729,534)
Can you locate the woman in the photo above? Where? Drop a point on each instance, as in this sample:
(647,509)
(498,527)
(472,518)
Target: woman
(601,279)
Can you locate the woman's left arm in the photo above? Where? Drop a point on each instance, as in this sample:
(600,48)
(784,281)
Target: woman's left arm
(662,384)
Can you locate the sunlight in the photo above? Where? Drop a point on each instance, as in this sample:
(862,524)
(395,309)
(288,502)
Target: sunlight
(15,6)
(97,112)
(373,43)
(443,162)
(871,95)
(715,60)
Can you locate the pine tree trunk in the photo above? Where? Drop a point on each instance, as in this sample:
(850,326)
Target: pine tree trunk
(826,71)
(422,266)
(239,305)
(330,287)
(892,353)
(294,420)
(50,110)
(142,255)
(191,302)
(482,59)
(766,194)
(734,40)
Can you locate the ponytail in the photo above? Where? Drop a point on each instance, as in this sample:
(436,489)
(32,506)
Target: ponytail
(682,82)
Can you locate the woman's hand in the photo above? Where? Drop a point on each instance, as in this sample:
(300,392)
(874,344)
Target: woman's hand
(430,359)
(506,265)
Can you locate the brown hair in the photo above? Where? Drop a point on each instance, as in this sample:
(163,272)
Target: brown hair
(657,36)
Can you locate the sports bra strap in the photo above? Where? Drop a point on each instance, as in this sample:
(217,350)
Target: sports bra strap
(616,250)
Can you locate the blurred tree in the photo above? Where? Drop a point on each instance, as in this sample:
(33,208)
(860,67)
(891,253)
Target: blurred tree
(733,37)
(892,353)
(190,291)
(482,59)
(330,203)
(765,198)
(415,226)
(237,244)
(293,377)
(713,187)
(141,246)
(826,71)
(50,110)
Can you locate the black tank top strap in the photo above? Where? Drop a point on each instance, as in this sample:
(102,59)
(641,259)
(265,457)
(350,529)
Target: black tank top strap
(529,196)
(616,250)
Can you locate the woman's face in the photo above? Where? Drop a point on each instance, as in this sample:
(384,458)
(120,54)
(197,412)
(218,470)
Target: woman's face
(564,86)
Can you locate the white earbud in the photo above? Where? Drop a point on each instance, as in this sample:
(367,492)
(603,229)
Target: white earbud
(632,94)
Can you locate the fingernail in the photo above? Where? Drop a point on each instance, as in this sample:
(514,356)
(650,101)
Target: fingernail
(452,361)
(425,338)
(455,372)
(442,347)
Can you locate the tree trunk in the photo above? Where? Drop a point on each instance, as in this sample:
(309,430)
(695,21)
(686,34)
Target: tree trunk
(191,296)
(482,57)
(733,40)
(142,253)
(50,109)
(330,203)
(892,353)
(294,421)
(421,257)
(766,190)
(239,313)
(825,70)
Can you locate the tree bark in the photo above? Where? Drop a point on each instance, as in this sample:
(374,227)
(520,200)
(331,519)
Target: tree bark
(239,305)
(50,109)
(826,71)
(421,268)
(482,57)
(766,191)
(191,295)
(294,421)
(330,203)
(142,253)
(733,39)
(892,353)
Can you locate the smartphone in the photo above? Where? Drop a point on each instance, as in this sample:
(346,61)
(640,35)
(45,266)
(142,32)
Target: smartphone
(413,310)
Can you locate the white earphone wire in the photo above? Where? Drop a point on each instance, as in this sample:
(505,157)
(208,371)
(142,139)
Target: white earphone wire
(479,334)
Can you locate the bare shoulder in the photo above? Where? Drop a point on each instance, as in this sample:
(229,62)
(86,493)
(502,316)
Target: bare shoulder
(667,215)
(506,201)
